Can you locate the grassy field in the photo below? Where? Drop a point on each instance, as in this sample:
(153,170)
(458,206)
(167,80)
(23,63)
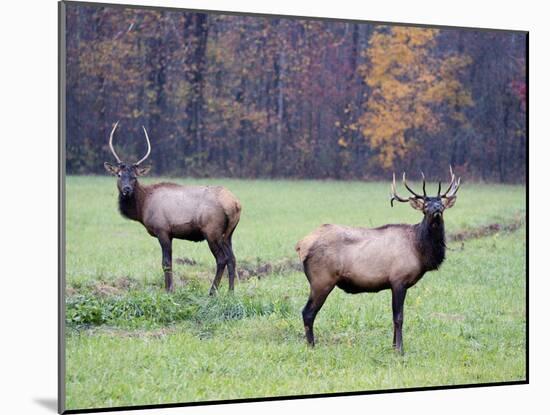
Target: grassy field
(128,343)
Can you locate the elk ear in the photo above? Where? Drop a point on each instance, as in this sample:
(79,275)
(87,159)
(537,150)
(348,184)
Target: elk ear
(111,169)
(142,171)
(417,204)
(449,202)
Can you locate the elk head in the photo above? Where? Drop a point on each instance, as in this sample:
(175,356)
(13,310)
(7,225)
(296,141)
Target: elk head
(432,207)
(127,173)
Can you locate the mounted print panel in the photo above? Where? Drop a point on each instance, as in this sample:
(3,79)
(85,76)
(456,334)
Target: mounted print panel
(271,207)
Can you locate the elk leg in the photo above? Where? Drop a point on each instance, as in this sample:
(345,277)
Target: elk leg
(230,264)
(314,303)
(166,246)
(232,255)
(221,261)
(398,299)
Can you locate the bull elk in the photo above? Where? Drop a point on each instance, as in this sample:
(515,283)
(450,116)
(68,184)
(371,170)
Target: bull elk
(169,211)
(392,257)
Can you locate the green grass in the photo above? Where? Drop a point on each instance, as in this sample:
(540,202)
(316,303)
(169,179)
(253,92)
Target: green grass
(128,343)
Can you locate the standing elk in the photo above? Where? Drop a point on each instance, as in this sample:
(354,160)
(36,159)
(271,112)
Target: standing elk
(392,257)
(169,211)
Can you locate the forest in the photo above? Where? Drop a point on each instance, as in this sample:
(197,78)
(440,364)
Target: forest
(244,96)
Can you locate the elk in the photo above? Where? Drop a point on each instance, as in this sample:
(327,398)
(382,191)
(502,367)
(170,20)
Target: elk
(169,211)
(357,259)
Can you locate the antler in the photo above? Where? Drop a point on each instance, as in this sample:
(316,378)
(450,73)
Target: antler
(423,184)
(453,186)
(148,147)
(450,192)
(395,196)
(116,155)
(416,195)
(111,143)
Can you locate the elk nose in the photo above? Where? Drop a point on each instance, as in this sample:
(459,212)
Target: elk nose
(126,190)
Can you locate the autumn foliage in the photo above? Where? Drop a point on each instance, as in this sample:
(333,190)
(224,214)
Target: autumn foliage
(411,90)
(244,96)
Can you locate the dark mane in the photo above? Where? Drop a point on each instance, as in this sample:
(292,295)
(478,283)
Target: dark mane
(129,206)
(430,243)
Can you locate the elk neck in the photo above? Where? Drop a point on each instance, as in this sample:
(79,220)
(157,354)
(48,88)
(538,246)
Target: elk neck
(430,243)
(131,206)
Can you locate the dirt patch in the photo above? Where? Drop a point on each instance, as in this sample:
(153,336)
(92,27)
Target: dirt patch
(486,230)
(101,289)
(259,270)
(114,332)
(247,270)
(185,261)
(70,291)
(125,283)
(117,287)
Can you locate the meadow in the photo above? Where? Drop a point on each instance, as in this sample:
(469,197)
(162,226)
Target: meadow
(129,343)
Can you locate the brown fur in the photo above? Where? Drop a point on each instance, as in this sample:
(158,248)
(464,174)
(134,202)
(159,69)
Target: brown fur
(358,260)
(372,259)
(179,210)
(196,213)
(169,211)
(353,256)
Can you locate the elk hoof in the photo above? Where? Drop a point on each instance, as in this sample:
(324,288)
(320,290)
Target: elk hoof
(399,351)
